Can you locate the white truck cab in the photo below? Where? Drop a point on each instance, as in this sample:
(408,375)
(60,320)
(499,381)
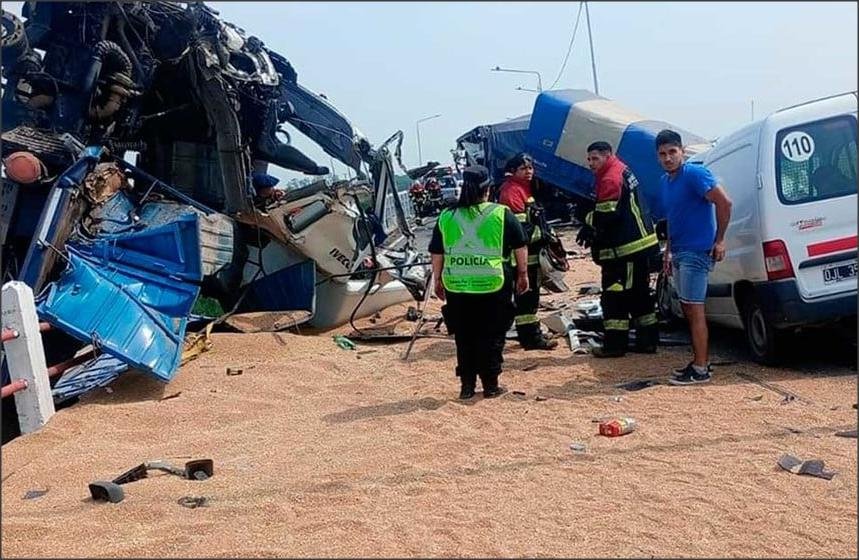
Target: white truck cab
(791,242)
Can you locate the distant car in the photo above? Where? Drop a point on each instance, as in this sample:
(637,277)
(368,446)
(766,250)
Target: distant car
(450,189)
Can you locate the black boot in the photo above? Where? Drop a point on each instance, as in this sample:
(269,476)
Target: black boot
(614,345)
(531,338)
(491,388)
(540,343)
(604,352)
(646,339)
(467,388)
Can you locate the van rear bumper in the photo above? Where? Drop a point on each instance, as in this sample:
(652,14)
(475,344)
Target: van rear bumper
(784,307)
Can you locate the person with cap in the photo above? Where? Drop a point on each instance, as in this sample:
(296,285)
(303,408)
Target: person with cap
(623,244)
(516,193)
(470,247)
(264,187)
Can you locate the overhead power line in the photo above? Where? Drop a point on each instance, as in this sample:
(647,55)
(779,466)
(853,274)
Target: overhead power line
(570,47)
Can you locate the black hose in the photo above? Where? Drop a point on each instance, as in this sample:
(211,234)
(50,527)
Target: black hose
(377,269)
(108,50)
(102,52)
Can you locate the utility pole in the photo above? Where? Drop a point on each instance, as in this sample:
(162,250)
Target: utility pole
(753,110)
(516,71)
(591,41)
(418,131)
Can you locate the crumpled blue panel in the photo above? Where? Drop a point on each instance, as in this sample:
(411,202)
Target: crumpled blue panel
(135,316)
(172,249)
(93,374)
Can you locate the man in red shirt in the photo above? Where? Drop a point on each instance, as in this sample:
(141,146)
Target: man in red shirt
(516,193)
(623,244)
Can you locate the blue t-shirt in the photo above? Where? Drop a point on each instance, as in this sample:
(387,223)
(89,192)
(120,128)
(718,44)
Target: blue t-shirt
(691,217)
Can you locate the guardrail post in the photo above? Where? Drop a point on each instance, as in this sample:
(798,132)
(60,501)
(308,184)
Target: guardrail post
(25,357)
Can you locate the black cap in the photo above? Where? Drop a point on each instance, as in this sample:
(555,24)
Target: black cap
(476,174)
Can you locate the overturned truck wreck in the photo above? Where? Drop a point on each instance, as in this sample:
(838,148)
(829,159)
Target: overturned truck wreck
(137,143)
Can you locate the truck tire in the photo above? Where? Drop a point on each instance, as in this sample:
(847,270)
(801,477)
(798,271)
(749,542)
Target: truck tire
(764,340)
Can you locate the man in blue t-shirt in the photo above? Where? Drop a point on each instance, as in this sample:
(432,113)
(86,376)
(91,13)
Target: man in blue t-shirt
(698,211)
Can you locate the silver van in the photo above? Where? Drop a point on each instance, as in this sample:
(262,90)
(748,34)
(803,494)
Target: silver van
(791,242)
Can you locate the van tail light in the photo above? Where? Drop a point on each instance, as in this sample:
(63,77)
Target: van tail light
(777,260)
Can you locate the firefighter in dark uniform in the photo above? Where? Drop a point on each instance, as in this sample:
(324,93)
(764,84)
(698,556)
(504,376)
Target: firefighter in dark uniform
(516,193)
(624,244)
(470,247)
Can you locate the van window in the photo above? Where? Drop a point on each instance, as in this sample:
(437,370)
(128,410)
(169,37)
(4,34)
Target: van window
(816,160)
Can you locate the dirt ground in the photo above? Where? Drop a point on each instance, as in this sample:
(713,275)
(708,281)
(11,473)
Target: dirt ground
(326,452)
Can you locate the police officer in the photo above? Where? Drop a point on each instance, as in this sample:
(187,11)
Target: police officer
(623,243)
(470,247)
(516,194)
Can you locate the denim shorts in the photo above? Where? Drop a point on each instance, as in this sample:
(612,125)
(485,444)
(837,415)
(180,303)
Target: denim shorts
(691,270)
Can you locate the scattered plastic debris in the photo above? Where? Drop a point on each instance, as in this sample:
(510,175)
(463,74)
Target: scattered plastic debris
(592,309)
(235,371)
(193,502)
(34,494)
(197,343)
(810,467)
(577,447)
(539,398)
(617,426)
(344,342)
(558,323)
(591,289)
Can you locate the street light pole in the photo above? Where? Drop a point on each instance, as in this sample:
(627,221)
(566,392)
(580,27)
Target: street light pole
(539,78)
(418,131)
(591,41)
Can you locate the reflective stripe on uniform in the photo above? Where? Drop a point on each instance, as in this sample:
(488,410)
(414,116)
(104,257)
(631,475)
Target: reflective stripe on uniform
(629,248)
(473,247)
(616,287)
(637,213)
(646,320)
(616,324)
(527,319)
(533,259)
(476,246)
(606,206)
(629,275)
(589,218)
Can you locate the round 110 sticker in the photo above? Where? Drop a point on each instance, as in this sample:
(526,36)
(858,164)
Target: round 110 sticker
(797,146)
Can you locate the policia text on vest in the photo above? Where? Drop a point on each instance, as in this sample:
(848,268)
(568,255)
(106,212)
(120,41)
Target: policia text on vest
(473,249)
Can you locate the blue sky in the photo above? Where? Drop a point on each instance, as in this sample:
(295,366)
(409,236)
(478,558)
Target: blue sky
(697,65)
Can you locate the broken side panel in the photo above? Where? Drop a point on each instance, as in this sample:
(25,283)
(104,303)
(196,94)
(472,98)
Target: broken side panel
(135,316)
(171,250)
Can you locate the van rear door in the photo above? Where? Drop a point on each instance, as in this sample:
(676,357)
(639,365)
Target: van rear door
(816,182)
